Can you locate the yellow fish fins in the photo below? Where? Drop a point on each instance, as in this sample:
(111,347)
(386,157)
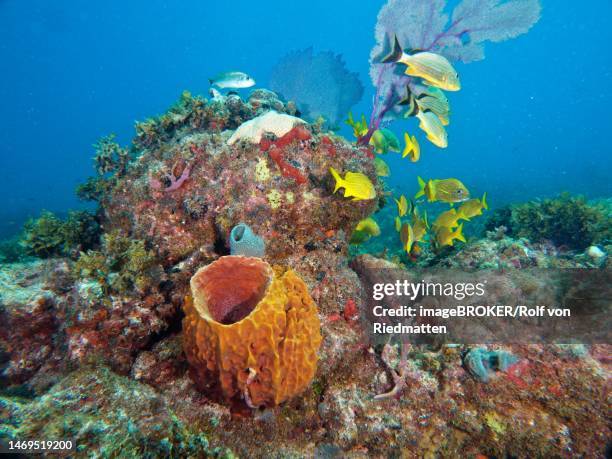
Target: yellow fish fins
(407,237)
(419,226)
(473,207)
(360,128)
(412,148)
(446,236)
(426,189)
(402,205)
(356,185)
(448,219)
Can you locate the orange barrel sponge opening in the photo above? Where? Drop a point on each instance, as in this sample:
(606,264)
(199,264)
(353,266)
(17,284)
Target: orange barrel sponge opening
(251,333)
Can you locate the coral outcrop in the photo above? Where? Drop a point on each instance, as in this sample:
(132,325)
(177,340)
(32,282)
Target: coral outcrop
(251,332)
(279,186)
(104,415)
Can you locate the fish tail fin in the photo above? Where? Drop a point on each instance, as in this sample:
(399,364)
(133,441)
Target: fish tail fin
(421,191)
(409,147)
(337,178)
(484,201)
(459,233)
(210,81)
(462,216)
(407,98)
(395,53)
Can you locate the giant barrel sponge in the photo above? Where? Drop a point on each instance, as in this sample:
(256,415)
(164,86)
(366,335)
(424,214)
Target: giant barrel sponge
(250,332)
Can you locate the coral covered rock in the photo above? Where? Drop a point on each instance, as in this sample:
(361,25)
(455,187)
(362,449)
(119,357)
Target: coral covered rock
(188,188)
(251,332)
(29,321)
(105,415)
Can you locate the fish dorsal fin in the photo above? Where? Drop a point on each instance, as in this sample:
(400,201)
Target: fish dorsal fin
(407,98)
(413,51)
(396,52)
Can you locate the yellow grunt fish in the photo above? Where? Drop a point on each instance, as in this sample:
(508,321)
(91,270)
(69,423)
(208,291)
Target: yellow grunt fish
(379,142)
(431,124)
(419,227)
(431,99)
(434,69)
(432,104)
(402,205)
(383,140)
(364,230)
(407,237)
(446,190)
(448,219)
(473,207)
(382,168)
(446,236)
(355,184)
(368,225)
(412,148)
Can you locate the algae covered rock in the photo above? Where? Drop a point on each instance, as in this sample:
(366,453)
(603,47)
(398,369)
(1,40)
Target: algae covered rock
(105,415)
(566,220)
(188,186)
(48,235)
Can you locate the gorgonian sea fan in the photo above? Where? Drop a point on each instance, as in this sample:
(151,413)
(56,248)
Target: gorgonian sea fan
(319,84)
(425,25)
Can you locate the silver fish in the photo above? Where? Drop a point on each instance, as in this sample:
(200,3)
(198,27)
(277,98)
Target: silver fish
(233,80)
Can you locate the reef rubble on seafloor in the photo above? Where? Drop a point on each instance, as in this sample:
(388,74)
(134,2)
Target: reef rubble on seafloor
(92,344)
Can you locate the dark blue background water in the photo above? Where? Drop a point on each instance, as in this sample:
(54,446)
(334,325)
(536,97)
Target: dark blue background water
(531,120)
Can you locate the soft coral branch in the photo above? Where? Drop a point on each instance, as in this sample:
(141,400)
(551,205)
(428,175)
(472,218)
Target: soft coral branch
(425,25)
(175,183)
(400,375)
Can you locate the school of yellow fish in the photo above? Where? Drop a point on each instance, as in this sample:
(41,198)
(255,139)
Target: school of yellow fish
(425,100)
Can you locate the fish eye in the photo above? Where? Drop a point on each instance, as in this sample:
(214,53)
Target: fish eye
(459,191)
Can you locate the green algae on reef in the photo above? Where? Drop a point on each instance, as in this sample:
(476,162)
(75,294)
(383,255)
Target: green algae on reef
(566,220)
(106,415)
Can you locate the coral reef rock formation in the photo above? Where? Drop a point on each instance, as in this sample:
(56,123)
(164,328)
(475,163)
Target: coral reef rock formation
(251,332)
(186,187)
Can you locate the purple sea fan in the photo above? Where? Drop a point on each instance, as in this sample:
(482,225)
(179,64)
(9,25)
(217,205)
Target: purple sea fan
(319,84)
(425,25)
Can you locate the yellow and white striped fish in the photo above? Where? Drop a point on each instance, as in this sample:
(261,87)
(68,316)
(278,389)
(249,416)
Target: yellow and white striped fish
(434,69)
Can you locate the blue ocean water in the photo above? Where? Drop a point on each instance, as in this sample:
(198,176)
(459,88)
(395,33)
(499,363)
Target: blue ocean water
(530,121)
